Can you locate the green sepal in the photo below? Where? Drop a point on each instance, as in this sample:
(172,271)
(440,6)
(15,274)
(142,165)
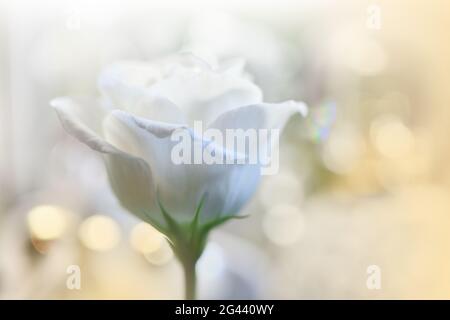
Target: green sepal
(221,220)
(188,239)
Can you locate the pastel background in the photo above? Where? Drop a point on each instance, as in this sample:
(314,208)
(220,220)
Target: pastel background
(364,179)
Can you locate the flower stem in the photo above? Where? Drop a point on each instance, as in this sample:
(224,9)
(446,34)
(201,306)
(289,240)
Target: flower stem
(190,279)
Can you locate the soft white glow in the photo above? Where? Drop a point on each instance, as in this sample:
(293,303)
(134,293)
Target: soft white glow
(343,150)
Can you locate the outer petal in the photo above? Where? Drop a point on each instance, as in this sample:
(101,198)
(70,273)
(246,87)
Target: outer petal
(266,117)
(128,132)
(87,112)
(243,180)
(259,116)
(132,182)
(83,122)
(130,176)
(181,187)
(235,188)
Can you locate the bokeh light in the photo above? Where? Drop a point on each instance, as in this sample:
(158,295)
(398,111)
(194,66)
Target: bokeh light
(99,233)
(47,222)
(146,239)
(161,256)
(343,150)
(283,224)
(391,137)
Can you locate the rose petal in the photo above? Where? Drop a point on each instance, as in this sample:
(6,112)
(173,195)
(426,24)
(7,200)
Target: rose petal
(88,110)
(259,116)
(185,81)
(132,182)
(83,122)
(130,176)
(124,86)
(202,95)
(265,116)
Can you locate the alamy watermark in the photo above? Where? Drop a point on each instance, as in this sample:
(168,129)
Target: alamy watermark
(232,146)
(373,20)
(73,281)
(73,21)
(374,279)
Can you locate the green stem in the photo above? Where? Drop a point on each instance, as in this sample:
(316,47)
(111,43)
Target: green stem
(190,279)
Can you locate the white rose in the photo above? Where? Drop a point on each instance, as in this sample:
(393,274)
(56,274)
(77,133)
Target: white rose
(141,106)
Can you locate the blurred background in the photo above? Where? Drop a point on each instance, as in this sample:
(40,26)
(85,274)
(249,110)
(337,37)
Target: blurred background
(364,179)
